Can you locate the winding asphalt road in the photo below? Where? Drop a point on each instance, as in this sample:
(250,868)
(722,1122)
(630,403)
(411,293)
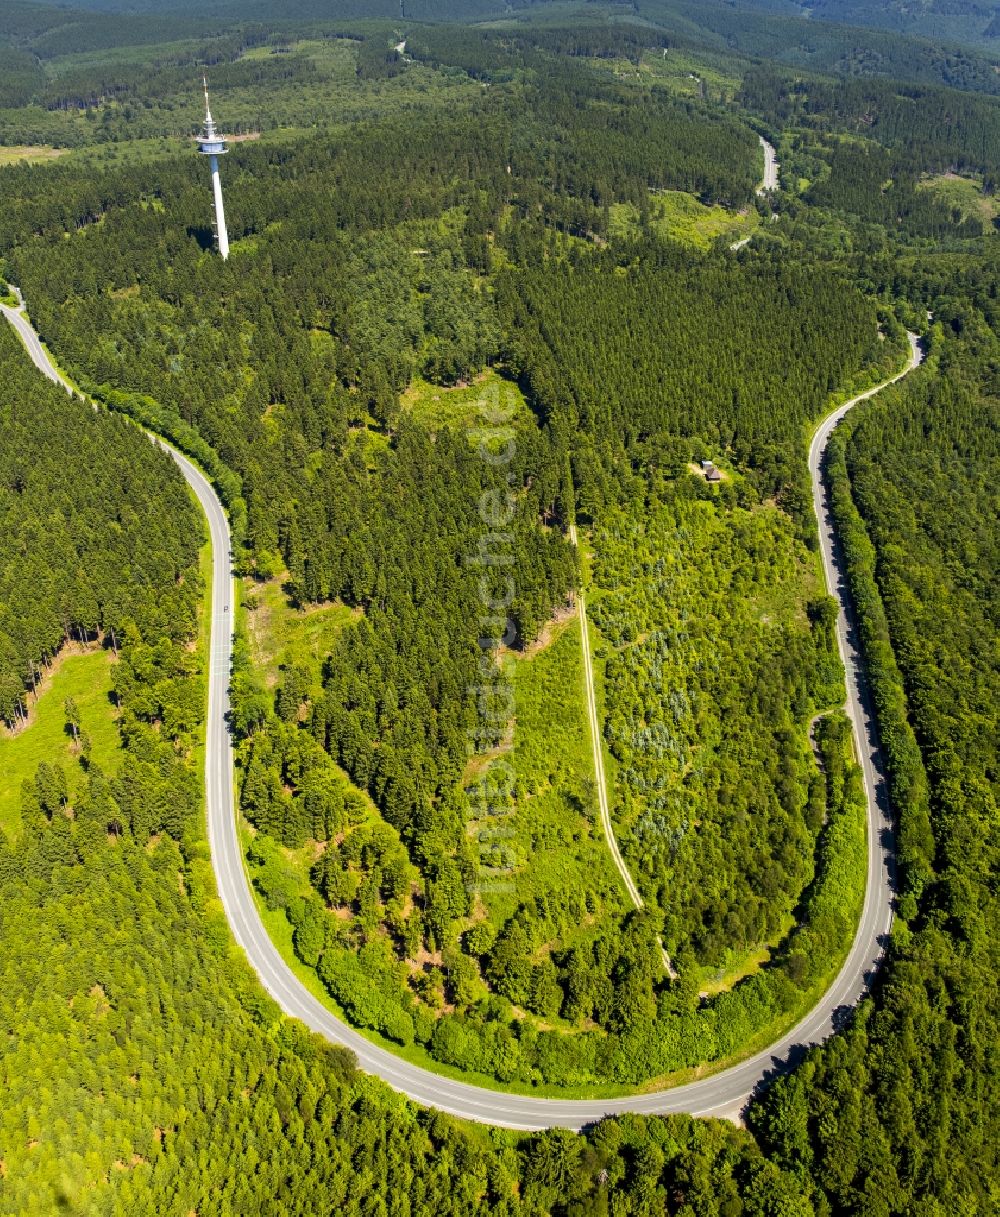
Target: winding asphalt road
(723,1094)
(18,319)
(770,181)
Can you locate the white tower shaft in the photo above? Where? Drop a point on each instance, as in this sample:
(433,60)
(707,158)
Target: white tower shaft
(220,213)
(213,145)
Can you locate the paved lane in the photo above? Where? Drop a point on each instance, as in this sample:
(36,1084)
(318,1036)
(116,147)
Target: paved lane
(22,326)
(770,181)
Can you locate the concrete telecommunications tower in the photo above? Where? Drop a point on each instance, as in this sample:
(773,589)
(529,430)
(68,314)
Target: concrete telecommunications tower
(212,145)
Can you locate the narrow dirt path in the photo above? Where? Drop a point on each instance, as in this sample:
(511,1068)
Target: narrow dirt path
(598,751)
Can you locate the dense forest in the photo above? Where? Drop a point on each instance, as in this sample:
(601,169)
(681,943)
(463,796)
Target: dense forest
(935,129)
(78,560)
(968,21)
(81,80)
(784,34)
(713,674)
(339,378)
(136,1042)
(84,563)
(894,1109)
(480,245)
(668,347)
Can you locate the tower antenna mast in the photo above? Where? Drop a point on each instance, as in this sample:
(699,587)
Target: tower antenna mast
(213,145)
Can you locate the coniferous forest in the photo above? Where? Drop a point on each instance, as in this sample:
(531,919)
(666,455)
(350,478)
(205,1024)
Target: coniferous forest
(484,298)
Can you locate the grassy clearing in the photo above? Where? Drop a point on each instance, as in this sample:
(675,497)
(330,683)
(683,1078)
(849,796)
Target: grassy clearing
(782,601)
(964,195)
(678,216)
(684,74)
(739,965)
(282,635)
(464,406)
(13,155)
(86,677)
(557,839)
(431,232)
